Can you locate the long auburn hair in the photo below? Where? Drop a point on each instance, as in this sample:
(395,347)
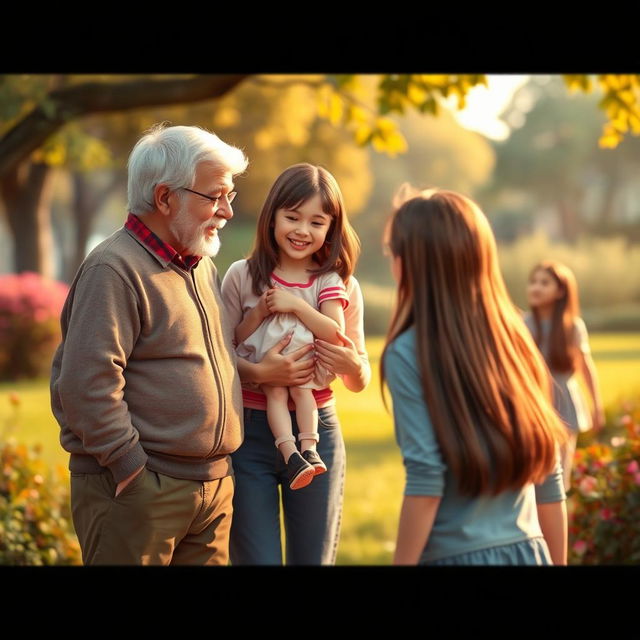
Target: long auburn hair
(293,187)
(484,382)
(563,351)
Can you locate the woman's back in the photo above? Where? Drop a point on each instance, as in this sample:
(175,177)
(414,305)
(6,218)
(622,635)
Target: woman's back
(463,524)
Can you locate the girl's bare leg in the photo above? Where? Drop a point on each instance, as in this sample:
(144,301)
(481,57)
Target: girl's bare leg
(306,415)
(279,419)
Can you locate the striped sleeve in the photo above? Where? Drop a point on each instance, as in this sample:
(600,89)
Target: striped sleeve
(332,288)
(232,293)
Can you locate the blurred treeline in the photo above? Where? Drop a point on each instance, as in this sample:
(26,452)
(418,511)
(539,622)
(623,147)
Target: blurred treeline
(549,190)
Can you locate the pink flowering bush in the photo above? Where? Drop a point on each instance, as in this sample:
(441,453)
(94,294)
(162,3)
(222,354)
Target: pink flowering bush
(30,307)
(604,527)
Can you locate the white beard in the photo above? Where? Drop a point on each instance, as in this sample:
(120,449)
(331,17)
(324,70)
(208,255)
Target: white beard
(194,239)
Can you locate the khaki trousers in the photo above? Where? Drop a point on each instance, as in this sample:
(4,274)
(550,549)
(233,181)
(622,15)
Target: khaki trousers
(156,520)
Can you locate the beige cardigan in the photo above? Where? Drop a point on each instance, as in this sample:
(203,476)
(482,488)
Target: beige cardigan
(145,373)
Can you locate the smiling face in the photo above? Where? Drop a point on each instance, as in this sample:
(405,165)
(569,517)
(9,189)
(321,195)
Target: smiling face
(197,220)
(301,231)
(543,290)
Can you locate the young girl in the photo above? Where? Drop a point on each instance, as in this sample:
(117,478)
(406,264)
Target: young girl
(561,335)
(471,397)
(293,283)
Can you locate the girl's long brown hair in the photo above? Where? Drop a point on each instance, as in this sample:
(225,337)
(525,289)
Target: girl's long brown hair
(484,382)
(563,350)
(293,187)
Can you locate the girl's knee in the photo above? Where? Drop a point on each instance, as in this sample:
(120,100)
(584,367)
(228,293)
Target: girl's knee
(298,393)
(279,394)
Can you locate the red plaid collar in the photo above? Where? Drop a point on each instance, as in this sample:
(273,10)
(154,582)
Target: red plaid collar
(158,246)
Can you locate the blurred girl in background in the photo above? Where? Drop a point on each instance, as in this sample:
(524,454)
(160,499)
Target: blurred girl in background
(560,333)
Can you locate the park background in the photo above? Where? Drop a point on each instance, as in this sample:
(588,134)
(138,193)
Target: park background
(552,160)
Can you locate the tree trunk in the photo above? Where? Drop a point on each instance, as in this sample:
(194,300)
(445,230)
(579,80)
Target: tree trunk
(26,188)
(27,191)
(86,203)
(568,204)
(607,211)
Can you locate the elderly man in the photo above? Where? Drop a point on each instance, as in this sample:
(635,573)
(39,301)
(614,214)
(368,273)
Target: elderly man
(144,383)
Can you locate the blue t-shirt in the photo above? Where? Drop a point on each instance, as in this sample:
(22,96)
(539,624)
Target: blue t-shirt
(463,523)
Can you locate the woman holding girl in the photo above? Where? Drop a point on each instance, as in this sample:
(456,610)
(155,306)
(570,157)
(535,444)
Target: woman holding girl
(471,397)
(297,284)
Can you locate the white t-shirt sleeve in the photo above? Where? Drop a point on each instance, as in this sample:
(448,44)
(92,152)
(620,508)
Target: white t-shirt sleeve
(232,288)
(581,335)
(354,318)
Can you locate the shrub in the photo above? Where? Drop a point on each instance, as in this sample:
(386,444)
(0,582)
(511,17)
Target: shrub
(604,527)
(35,517)
(30,307)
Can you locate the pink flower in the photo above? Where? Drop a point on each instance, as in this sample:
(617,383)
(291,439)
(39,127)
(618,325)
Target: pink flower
(617,441)
(626,419)
(606,513)
(587,485)
(633,467)
(580,546)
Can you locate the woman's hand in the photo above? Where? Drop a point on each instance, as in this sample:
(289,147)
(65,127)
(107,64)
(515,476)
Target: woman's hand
(289,370)
(343,360)
(598,420)
(281,301)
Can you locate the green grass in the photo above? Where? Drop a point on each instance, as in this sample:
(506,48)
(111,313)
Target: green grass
(375,475)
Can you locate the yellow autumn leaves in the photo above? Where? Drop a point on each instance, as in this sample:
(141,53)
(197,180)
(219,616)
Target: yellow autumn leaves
(341,103)
(621,104)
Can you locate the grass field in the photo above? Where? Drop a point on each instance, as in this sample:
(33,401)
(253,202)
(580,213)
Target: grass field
(375,475)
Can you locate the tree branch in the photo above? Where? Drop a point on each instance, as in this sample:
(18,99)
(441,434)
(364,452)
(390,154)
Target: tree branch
(66,104)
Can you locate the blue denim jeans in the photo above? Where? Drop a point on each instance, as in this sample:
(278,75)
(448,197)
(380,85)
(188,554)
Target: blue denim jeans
(311,515)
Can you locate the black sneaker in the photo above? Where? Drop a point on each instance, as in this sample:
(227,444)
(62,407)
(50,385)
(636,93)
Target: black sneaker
(300,472)
(314,459)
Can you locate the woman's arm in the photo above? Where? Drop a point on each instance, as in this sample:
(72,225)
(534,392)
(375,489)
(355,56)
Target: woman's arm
(345,361)
(425,469)
(590,374)
(348,357)
(552,512)
(416,520)
(553,522)
(588,370)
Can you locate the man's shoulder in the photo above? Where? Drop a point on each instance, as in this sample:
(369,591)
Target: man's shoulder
(118,249)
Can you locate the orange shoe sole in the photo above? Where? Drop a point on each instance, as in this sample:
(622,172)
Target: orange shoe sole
(303,479)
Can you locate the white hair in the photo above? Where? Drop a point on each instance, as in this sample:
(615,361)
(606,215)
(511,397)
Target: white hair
(170,155)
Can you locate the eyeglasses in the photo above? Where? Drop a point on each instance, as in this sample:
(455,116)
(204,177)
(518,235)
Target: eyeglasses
(229,196)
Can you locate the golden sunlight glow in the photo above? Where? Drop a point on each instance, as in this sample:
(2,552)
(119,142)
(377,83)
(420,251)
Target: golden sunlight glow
(484,105)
